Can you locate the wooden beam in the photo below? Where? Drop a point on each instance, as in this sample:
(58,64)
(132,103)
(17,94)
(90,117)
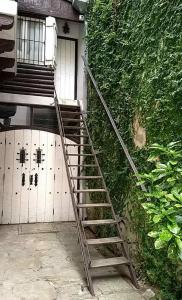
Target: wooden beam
(6,62)
(6,22)
(6,45)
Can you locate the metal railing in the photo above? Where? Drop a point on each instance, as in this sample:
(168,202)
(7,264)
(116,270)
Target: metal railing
(122,143)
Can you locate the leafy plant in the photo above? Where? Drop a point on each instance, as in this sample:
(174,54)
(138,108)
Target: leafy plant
(134,51)
(164,205)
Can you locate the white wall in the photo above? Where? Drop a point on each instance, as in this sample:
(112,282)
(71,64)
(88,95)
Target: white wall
(76,32)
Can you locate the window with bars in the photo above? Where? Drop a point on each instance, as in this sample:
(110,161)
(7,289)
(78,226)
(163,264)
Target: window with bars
(31,40)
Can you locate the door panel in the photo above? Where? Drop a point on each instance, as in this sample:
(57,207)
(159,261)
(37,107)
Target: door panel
(23,201)
(33,194)
(8,183)
(17,177)
(24,210)
(42,171)
(49,205)
(58,201)
(2,166)
(65,70)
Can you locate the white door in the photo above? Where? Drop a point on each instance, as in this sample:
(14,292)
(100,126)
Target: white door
(65,70)
(33,181)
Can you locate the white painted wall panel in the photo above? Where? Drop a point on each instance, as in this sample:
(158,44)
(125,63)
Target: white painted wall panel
(2,166)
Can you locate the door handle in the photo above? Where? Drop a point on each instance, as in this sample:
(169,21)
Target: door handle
(36,180)
(31,179)
(23,179)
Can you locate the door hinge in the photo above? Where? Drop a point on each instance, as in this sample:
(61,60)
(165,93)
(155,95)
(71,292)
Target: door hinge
(53,211)
(54,177)
(2,213)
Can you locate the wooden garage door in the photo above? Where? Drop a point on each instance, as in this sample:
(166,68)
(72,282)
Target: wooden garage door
(34,190)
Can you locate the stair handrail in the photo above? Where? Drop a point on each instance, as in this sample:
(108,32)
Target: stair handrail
(121,141)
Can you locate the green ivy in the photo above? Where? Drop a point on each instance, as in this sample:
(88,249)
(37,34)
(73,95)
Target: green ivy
(134,50)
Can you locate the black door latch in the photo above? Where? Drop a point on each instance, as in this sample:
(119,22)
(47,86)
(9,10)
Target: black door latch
(36,179)
(23,179)
(22,154)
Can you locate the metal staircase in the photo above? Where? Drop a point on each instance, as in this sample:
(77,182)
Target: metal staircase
(72,125)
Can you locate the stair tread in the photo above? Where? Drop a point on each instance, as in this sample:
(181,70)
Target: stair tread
(72,120)
(71,112)
(98,222)
(82,166)
(107,262)
(77,145)
(81,154)
(90,205)
(75,135)
(101,241)
(86,177)
(89,190)
(74,127)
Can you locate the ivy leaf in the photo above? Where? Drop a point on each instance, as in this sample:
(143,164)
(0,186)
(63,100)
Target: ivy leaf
(179,243)
(165,235)
(153,234)
(173,228)
(159,244)
(179,219)
(157,218)
(172,251)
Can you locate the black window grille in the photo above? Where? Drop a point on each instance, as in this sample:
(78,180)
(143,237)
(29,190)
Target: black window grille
(31,40)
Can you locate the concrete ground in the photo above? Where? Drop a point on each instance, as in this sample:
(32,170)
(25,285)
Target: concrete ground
(43,262)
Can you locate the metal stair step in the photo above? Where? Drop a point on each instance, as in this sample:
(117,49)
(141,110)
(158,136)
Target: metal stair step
(89,191)
(93,205)
(72,120)
(74,127)
(108,262)
(75,135)
(98,222)
(78,145)
(102,241)
(71,112)
(86,177)
(81,154)
(82,166)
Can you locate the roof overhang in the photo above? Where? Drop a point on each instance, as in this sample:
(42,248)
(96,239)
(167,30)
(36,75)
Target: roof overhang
(62,9)
(80,5)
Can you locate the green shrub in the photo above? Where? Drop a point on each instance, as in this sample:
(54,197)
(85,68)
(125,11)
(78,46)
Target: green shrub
(164,205)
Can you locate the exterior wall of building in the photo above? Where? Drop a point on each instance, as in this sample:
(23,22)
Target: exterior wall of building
(9,8)
(76,32)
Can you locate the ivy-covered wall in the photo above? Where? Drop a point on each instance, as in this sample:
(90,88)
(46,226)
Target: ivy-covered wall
(135,53)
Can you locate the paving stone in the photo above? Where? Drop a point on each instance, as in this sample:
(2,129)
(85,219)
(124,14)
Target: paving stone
(40,265)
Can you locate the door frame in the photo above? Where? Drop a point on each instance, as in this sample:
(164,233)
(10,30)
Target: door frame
(76,60)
